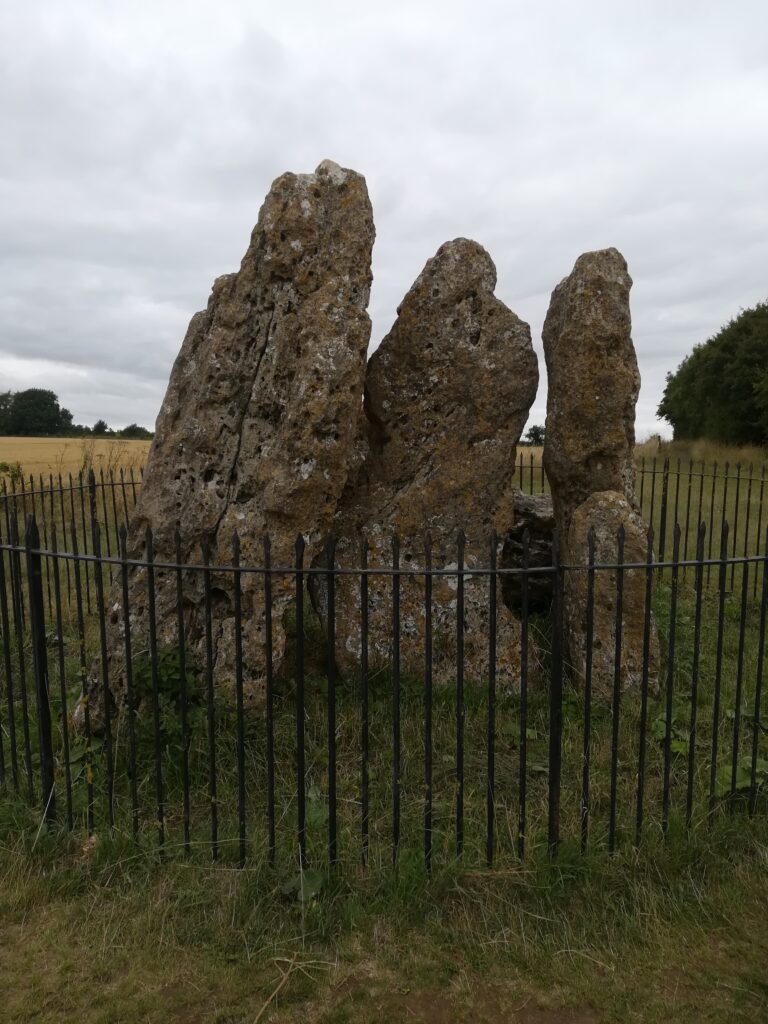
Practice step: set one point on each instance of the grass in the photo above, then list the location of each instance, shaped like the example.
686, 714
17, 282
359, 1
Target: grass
101, 930
677, 930
96, 933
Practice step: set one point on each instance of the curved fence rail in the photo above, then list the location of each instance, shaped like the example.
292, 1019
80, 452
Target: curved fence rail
382, 759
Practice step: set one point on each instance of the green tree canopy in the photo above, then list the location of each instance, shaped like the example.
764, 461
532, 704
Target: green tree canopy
720, 391
33, 413
134, 432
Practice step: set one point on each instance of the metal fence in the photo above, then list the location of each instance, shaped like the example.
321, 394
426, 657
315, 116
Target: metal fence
383, 762
688, 492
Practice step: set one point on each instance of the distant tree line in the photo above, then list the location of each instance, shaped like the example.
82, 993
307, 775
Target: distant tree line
720, 391
37, 413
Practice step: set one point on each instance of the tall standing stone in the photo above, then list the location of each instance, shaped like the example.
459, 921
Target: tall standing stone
447, 395
258, 426
593, 385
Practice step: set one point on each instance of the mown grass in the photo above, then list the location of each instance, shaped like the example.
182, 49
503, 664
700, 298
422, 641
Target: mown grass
104, 930
101, 930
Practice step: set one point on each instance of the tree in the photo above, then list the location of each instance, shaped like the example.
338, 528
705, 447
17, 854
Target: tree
6, 398
135, 433
100, 428
534, 435
720, 390
33, 413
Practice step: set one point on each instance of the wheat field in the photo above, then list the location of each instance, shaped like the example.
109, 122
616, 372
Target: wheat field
53, 455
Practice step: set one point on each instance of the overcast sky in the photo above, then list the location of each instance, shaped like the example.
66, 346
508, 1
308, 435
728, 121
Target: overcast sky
137, 142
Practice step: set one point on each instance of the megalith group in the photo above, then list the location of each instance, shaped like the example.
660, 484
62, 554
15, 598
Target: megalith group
276, 424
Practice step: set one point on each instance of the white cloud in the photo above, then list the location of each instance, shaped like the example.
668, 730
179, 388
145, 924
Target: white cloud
139, 141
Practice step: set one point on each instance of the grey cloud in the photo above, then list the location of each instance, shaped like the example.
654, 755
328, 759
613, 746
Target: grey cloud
138, 143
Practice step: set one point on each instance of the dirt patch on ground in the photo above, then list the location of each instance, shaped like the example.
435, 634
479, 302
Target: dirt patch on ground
491, 1005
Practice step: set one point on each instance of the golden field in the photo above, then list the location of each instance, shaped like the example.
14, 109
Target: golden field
46, 455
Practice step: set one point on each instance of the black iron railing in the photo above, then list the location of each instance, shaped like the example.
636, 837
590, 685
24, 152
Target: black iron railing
382, 760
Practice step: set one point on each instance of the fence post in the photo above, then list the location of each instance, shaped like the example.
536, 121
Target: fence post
663, 511
556, 702
40, 663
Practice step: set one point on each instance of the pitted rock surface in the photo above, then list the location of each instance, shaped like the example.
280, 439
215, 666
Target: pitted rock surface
593, 386
259, 424
606, 512
447, 395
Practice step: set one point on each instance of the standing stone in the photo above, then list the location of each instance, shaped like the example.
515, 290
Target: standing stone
593, 384
447, 395
605, 512
258, 426
588, 450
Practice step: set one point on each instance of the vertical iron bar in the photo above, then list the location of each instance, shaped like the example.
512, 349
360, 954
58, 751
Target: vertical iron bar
40, 664
129, 698
739, 672
460, 710
150, 563
587, 742
718, 671
428, 704
670, 681
642, 482
106, 701
331, 672
62, 675
7, 665
239, 711
301, 781
652, 509
85, 542
523, 741
84, 683
270, 699
644, 686
395, 697
678, 474
759, 681
46, 559
491, 784
18, 604
64, 536
663, 511
616, 703
749, 515
695, 673
364, 724
712, 519
735, 520
183, 689
210, 697
115, 520
126, 516
688, 509
106, 517
555, 703
759, 524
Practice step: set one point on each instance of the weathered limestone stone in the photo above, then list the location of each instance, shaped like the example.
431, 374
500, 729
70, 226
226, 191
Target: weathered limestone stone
447, 394
605, 512
590, 434
259, 423
593, 384
532, 513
